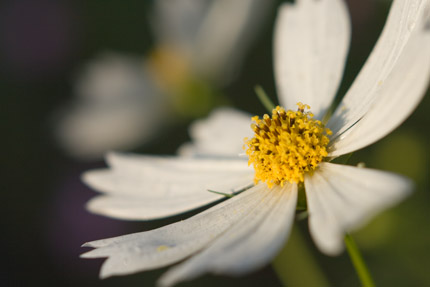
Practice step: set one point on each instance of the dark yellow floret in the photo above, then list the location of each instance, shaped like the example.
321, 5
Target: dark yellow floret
286, 145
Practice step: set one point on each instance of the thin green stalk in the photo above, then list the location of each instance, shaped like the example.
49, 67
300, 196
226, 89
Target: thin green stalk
221, 193
264, 99
358, 262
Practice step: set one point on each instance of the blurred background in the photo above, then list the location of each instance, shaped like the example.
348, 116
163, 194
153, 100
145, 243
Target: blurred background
79, 78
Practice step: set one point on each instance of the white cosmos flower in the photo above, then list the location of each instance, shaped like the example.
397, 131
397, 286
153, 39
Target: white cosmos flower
245, 232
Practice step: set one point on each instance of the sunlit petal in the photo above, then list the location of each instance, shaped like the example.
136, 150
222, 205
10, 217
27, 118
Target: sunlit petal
342, 198
166, 245
221, 134
149, 187
397, 96
402, 21
311, 43
250, 244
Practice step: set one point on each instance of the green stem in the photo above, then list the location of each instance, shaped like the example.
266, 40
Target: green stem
221, 193
264, 99
358, 262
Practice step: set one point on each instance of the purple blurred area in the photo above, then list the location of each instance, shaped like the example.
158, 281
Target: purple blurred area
68, 224
38, 37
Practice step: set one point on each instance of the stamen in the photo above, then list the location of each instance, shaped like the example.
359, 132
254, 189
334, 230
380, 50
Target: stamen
286, 145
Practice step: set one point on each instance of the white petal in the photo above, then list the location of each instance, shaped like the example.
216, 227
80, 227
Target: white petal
341, 198
221, 134
149, 187
250, 244
311, 44
397, 97
402, 19
160, 247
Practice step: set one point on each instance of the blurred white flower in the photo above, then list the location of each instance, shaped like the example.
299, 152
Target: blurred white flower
118, 107
213, 34
245, 232
121, 98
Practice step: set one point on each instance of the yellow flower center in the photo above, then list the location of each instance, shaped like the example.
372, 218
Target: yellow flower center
170, 68
286, 145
